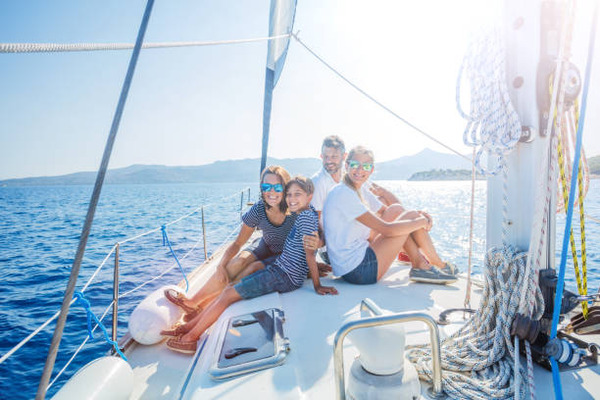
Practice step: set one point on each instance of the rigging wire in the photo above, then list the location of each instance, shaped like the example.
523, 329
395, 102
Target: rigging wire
62, 319
368, 96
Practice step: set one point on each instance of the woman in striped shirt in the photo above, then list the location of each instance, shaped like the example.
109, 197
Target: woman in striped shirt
271, 216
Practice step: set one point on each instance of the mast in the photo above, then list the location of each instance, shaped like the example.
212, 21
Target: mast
531, 41
281, 22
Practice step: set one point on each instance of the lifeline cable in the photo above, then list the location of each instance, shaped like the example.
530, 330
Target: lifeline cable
60, 324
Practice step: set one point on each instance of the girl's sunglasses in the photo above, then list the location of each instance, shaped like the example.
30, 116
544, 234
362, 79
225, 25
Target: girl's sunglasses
365, 166
266, 187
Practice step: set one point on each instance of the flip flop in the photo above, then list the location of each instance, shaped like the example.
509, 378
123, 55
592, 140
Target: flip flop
178, 299
182, 346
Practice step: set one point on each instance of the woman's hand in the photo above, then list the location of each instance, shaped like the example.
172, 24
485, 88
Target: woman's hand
312, 242
428, 218
376, 189
322, 290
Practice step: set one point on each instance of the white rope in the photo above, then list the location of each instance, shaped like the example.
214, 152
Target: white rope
467, 302
70, 47
478, 360
368, 96
493, 125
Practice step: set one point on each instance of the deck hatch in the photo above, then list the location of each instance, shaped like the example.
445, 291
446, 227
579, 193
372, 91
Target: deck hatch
250, 342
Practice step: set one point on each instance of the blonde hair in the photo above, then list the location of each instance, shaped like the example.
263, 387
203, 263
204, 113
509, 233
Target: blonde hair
284, 178
347, 180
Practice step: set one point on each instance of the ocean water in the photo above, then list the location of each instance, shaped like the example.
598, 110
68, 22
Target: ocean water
40, 228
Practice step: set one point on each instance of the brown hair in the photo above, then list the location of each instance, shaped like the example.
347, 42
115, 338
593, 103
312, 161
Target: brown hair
335, 142
284, 178
357, 150
305, 184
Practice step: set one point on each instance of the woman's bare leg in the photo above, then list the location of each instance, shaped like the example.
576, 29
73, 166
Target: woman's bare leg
386, 250
249, 270
218, 281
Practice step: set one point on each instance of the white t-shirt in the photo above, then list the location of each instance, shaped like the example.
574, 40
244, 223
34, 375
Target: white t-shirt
346, 238
323, 183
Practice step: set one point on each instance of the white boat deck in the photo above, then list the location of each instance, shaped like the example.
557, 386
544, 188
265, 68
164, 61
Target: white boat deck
311, 324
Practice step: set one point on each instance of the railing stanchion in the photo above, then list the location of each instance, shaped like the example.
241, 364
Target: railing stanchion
248, 195
241, 203
115, 316
204, 234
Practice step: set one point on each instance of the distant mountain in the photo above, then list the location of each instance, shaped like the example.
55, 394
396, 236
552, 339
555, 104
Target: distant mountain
245, 170
444, 175
594, 164
405, 167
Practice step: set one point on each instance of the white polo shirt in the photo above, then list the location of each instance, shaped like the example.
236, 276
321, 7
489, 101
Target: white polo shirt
346, 238
323, 183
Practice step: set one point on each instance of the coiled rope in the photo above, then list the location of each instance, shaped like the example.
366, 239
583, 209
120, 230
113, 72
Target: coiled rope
493, 124
478, 359
70, 47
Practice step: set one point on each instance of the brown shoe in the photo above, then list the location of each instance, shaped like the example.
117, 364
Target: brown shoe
188, 316
178, 299
181, 346
177, 330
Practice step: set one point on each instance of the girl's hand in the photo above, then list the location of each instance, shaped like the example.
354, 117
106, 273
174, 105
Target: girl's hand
322, 290
311, 242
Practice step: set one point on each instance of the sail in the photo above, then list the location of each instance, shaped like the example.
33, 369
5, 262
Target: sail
281, 21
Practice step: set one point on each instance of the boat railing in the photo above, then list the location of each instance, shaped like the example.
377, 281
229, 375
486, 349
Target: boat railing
379, 319
114, 253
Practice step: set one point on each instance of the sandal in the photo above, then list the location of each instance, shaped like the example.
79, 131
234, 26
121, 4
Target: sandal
182, 346
177, 330
178, 299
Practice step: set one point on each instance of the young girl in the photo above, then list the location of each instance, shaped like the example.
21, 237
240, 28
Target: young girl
364, 236
270, 215
285, 274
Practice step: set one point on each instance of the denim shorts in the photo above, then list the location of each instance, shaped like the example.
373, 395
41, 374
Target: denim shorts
261, 251
366, 272
268, 280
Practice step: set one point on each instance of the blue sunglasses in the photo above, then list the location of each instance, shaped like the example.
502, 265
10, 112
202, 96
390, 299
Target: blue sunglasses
365, 166
266, 187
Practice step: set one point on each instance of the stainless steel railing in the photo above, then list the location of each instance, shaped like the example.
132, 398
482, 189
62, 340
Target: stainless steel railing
379, 320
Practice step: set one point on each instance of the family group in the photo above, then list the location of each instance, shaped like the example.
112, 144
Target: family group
358, 226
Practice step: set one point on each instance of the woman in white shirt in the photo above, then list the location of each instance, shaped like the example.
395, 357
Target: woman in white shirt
364, 236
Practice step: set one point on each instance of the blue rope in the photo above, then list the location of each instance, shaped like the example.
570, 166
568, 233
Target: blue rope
565, 246
166, 242
80, 297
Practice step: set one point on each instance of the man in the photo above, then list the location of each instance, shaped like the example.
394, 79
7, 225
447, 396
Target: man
333, 155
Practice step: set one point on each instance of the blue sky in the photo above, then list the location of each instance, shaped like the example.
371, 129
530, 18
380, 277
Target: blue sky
191, 106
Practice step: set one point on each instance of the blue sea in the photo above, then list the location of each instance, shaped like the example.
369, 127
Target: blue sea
40, 229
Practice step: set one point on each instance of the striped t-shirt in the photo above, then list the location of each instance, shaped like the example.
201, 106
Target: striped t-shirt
273, 235
293, 258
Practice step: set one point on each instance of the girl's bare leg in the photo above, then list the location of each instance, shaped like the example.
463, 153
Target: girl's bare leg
386, 250
207, 317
